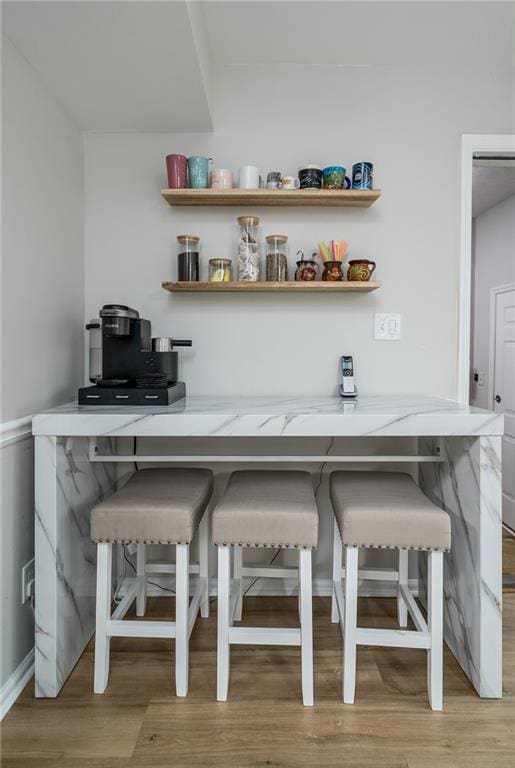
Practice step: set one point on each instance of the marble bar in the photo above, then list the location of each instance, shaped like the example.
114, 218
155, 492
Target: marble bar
467, 483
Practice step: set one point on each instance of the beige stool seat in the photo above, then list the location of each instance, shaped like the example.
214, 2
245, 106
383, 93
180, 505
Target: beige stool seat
387, 510
156, 506
262, 508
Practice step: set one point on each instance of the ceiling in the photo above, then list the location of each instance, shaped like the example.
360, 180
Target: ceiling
129, 66
147, 65
491, 185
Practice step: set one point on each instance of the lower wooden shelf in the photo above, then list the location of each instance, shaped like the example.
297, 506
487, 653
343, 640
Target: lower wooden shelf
315, 286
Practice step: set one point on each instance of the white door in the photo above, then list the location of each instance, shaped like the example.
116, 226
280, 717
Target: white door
503, 394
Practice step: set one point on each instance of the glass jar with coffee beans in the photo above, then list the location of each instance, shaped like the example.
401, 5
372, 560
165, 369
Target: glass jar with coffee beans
248, 249
277, 258
188, 258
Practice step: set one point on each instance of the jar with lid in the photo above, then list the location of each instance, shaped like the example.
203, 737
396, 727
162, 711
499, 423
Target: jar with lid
220, 270
188, 258
248, 248
277, 258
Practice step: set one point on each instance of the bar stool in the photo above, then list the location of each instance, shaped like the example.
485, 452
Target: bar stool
156, 506
264, 509
387, 510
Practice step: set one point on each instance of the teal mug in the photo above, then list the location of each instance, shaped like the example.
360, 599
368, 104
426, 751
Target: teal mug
198, 171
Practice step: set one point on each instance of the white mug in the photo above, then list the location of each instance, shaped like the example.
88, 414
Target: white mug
249, 177
290, 182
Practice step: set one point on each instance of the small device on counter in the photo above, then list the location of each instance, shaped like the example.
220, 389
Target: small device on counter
348, 387
127, 365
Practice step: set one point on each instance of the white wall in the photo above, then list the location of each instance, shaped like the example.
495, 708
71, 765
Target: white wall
42, 307
494, 257
407, 122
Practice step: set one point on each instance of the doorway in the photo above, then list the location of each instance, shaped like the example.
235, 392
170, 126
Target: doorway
492, 303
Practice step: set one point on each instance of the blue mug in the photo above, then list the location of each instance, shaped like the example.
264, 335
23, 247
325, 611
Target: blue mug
198, 171
362, 176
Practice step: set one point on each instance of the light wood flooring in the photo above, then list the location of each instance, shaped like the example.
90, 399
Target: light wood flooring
139, 723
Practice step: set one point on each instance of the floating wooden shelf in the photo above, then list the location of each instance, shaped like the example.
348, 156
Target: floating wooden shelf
317, 286
362, 198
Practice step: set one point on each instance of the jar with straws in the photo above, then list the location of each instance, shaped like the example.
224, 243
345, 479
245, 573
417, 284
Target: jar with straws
332, 255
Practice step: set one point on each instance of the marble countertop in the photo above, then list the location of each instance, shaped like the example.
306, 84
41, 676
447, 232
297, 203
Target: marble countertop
389, 415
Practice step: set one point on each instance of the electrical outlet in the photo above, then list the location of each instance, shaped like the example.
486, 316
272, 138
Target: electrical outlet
28, 575
387, 326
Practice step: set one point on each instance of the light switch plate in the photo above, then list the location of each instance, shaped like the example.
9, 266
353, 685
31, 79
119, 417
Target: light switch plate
387, 326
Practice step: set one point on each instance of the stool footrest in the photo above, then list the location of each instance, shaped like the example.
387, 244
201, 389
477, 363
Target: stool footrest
140, 628
269, 572
395, 638
264, 636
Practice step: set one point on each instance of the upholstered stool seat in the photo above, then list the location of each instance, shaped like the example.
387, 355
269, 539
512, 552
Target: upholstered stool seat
156, 506
267, 509
387, 510
264, 509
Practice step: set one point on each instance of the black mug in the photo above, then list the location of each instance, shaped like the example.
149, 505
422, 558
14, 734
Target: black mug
310, 177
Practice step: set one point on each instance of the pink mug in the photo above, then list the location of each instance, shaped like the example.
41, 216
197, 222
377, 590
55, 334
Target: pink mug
221, 178
177, 169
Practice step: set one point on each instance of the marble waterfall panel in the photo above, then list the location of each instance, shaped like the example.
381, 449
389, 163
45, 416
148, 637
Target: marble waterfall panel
67, 485
468, 485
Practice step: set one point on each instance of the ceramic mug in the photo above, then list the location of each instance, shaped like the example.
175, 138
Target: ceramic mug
306, 270
177, 170
332, 271
221, 178
273, 180
360, 269
310, 177
362, 176
335, 178
290, 182
198, 171
249, 177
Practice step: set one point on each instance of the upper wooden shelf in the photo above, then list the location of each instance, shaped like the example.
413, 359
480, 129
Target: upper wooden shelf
361, 198
315, 286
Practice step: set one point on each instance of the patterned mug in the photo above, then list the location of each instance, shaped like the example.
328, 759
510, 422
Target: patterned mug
360, 269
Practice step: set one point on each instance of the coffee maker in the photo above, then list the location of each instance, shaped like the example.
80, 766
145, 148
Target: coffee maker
127, 366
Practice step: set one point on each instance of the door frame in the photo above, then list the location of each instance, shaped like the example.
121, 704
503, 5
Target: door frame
470, 144
494, 293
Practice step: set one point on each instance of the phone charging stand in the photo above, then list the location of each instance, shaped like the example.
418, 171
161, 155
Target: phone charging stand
348, 395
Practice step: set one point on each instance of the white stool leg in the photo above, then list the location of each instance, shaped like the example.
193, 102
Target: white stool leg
402, 608
103, 614
141, 595
337, 569
182, 603
237, 566
306, 627
224, 585
349, 633
435, 626
203, 549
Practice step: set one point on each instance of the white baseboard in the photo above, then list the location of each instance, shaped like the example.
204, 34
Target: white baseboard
272, 587
16, 683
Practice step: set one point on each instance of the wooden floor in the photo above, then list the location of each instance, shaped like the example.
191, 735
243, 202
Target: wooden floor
139, 723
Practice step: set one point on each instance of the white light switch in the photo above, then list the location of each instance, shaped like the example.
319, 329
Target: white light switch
387, 326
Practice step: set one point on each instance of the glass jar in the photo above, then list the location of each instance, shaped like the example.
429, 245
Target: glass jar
220, 270
188, 258
248, 249
277, 258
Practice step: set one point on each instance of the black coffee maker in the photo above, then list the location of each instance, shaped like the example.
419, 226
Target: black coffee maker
133, 372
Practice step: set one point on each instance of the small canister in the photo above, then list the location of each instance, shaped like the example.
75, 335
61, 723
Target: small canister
188, 258
277, 258
220, 270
